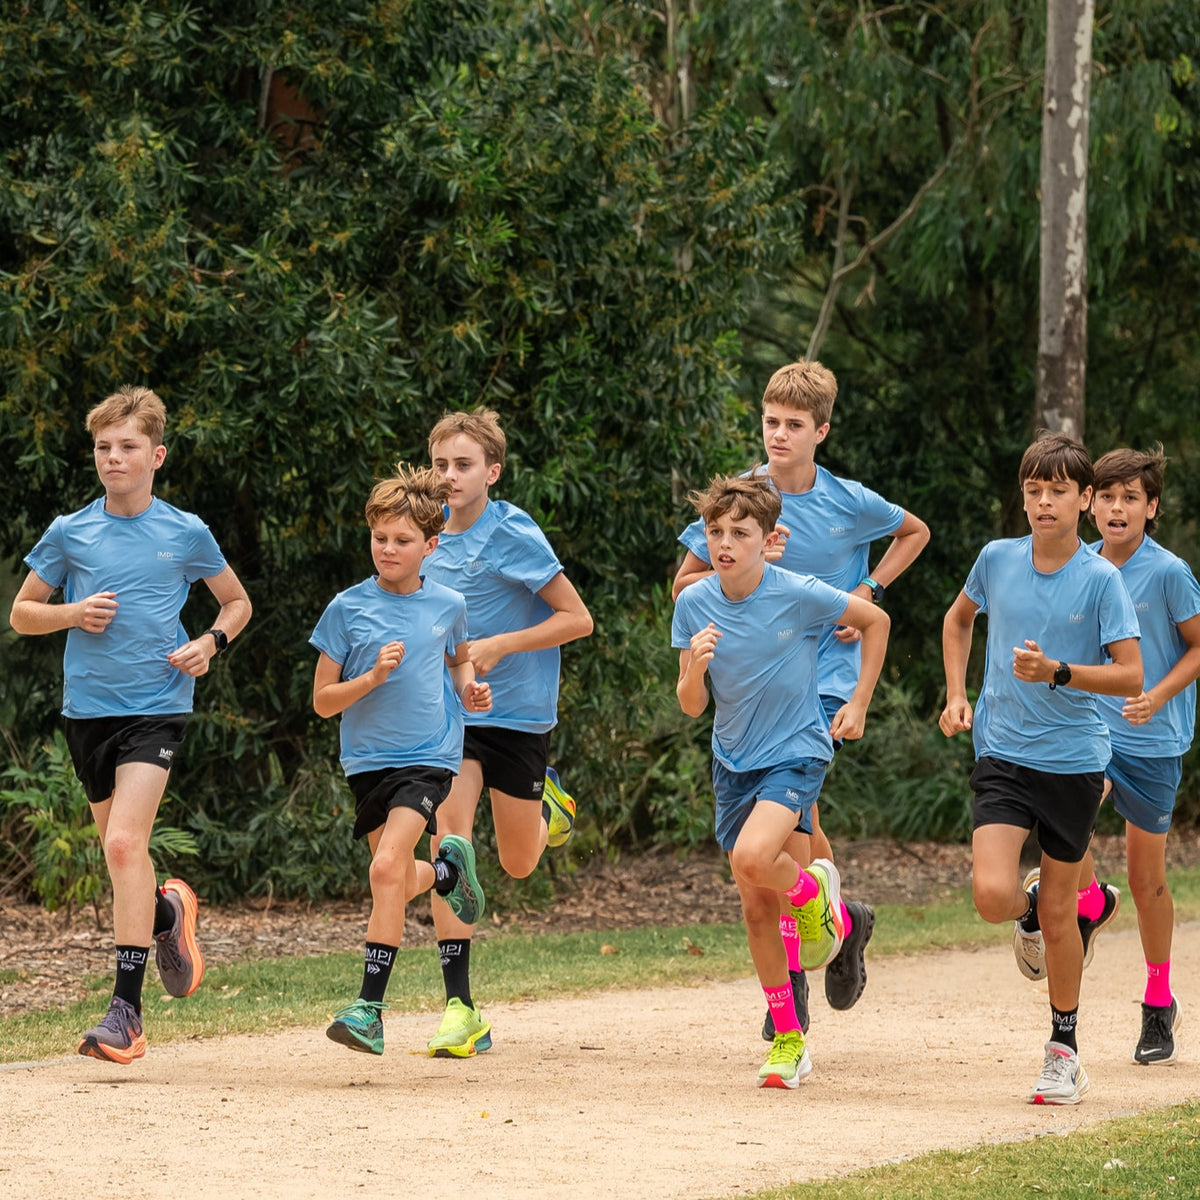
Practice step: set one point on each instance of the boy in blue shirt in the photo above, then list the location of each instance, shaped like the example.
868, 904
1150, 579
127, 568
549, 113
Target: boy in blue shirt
125, 565
521, 608
1150, 732
394, 664
1061, 629
826, 530
751, 629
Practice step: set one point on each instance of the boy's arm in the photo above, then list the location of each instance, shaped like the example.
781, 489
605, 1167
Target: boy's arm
569, 620
1121, 677
1139, 709
192, 658
332, 694
907, 542
691, 689
475, 696
692, 568
957, 627
873, 624
32, 612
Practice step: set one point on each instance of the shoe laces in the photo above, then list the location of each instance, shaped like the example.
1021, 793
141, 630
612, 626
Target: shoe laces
167, 951
786, 1048
1057, 1068
120, 1018
1157, 1025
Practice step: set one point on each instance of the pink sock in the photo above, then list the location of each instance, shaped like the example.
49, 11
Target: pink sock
791, 940
1091, 901
1158, 984
783, 1008
849, 923
803, 890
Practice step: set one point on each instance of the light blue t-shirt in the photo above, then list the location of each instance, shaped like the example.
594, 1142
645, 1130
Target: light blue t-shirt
499, 565
763, 675
1164, 593
414, 718
1073, 614
150, 561
832, 526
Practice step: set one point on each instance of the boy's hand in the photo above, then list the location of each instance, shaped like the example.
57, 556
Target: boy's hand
847, 634
849, 721
97, 611
485, 654
1138, 710
956, 717
704, 645
192, 658
775, 549
477, 697
386, 661
1030, 665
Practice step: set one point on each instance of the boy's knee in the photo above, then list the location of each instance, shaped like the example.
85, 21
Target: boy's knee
992, 903
123, 850
518, 864
386, 871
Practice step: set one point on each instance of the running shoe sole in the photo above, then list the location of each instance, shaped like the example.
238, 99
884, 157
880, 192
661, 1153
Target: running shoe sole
466, 899
846, 975
562, 806
803, 1071
187, 932
341, 1033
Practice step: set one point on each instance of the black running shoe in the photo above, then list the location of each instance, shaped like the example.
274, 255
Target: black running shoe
799, 999
846, 976
1089, 929
1157, 1043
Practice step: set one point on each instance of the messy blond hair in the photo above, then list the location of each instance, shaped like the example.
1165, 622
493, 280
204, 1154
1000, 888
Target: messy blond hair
805, 385
129, 403
418, 493
481, 425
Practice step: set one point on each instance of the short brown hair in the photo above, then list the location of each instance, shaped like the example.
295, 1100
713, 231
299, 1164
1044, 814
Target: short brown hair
1123, 466
805, 385
481, 425
742, 497
418, 493
1056, 456
129, 403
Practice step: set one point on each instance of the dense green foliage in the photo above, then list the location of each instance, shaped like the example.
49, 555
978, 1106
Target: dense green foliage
313, 228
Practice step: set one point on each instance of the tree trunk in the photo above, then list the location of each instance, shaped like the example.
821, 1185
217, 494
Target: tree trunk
1062, 332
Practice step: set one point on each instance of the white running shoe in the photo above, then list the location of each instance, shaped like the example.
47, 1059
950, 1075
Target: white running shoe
1029, 949
1063, 1079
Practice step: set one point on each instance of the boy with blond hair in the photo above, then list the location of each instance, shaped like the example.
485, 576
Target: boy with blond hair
750, 630
826, 530
521, 608
393, 662
1061, 631
125, 565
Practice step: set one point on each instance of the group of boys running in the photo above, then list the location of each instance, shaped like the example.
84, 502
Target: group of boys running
444, 668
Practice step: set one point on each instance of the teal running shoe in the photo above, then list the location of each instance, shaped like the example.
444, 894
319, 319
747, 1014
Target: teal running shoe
466, 897
359, 1026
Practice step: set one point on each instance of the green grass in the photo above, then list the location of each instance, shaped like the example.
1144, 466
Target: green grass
1149, 1156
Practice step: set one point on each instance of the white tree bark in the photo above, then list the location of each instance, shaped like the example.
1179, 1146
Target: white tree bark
1062, 329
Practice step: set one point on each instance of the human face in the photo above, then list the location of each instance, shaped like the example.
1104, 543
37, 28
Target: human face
1121, 511
1053, 507
398, 548
790, 437
736, 549
126, 460
460, 461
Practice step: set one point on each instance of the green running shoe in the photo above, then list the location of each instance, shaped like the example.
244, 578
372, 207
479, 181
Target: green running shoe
787, 1062
466, 897
561, 821
359, 1026
819, 921
462, 1032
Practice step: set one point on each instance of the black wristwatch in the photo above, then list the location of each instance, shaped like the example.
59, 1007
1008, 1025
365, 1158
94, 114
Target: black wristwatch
218, 636
1062, 676
877, 589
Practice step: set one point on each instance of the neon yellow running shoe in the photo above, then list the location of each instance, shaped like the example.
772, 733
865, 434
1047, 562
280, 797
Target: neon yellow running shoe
819, 921
461, 1034
561, 820
787, 1062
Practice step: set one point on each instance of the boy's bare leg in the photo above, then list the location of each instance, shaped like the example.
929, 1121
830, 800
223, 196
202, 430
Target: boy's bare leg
396, 876
1146, 866
820, 843
995, 873
1058, 917
521, 833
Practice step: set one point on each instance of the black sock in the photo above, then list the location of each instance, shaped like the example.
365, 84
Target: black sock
1029, 922
1062, 1027
164, 912
445, 875
377, 970
131, 973
456, 969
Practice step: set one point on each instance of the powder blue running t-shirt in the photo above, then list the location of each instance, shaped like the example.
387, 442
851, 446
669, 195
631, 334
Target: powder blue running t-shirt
1073, 614
1164, 593
832, 526
414, 718
499, 565
150, 561
763, 675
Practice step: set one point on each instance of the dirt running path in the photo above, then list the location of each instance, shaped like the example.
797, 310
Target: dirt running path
615, 1095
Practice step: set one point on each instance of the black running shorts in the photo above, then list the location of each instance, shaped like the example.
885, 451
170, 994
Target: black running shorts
513, 761
99, 745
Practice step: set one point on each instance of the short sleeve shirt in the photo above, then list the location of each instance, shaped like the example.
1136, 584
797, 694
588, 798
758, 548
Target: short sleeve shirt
763, 676
832, 526
1164, 594
1073, 613
414, 718
499, 565
150, 561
